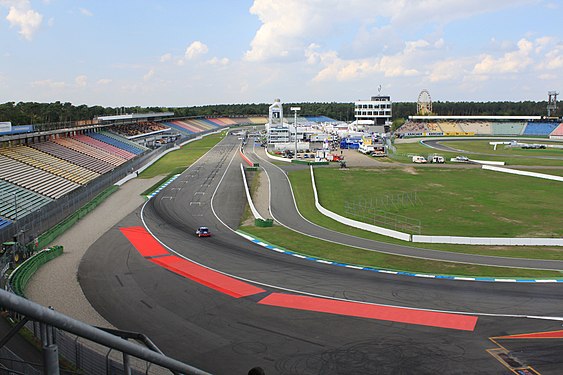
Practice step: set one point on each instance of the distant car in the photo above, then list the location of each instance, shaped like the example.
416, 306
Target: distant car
461, 158
203, 232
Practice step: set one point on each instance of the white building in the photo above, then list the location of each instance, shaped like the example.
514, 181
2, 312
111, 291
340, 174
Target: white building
277, 131
373, 115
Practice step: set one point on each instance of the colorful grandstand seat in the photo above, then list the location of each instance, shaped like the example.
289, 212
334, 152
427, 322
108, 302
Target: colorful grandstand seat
114, 142
540, 128
558, 131
4, 222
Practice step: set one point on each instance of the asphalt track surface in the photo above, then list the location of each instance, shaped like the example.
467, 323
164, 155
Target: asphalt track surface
222, 334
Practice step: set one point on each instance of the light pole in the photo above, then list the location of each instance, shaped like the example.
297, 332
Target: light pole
295, 109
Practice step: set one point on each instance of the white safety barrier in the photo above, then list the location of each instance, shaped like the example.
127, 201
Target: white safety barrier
248, 197
493, 241
487, 162
524, 173
354, 223
276, 157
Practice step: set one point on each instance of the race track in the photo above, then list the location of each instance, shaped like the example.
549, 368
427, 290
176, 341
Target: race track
194, 320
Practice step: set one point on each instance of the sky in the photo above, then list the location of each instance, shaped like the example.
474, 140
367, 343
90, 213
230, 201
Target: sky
178, 53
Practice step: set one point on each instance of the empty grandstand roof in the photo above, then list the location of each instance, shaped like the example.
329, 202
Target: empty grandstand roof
135, 116
489, 118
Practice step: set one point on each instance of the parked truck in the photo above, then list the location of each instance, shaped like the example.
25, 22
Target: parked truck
419, 159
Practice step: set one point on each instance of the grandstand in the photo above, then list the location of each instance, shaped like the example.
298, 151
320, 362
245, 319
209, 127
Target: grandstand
44, 163
557, 133
508, 128
73, 156
476, 126
319, 119
540, 128
16, 202
35, 179
49, 163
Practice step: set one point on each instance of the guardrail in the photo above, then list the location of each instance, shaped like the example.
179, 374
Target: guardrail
50, 319
286, 160
524, 173
20, 276
259, 221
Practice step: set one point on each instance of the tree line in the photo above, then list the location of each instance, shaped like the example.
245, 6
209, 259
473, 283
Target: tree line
27, 113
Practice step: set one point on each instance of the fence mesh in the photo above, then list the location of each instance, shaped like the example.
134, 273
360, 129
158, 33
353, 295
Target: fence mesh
378, 211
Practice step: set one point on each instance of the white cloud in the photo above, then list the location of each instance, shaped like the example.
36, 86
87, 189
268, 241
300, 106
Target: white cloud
81, 81
166, 57
217, 61
21, 15
149, 75
553, 59
402, 64
510, 62
104, 81
49, 83
290, 26
86, 12
195, 50
446, 70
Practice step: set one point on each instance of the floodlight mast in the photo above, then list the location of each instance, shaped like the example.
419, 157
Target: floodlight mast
295, 109
551, 102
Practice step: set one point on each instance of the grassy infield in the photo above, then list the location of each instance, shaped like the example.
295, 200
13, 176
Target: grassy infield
177, 161
484, 204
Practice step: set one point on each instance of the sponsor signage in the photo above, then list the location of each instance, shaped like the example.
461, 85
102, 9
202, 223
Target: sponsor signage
458, 133
5, 127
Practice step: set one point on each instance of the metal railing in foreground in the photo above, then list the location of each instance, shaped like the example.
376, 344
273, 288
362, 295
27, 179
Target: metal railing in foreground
49, 319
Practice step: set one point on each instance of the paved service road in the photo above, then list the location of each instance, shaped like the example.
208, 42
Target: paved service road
194, 322
288, 215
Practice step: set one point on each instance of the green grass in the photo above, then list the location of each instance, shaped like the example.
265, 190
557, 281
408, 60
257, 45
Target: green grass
177, 161
484, 147
403, 149
290, 240
455, 202
301, 183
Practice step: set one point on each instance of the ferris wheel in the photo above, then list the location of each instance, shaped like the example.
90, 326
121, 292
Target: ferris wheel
424, 103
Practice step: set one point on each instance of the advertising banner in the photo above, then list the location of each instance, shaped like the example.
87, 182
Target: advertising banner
5, 127
459, 133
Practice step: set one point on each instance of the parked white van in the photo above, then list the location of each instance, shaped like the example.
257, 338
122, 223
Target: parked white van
419, 159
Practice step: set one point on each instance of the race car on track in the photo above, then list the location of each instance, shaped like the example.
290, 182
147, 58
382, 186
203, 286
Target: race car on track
203, 232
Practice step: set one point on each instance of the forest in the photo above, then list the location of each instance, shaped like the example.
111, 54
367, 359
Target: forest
27, 113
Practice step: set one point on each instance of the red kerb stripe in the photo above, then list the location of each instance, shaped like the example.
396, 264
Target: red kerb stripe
146, 244
361, 310
205, 276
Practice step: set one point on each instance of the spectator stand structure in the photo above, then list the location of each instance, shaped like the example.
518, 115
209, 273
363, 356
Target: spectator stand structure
421, 126
50, 170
